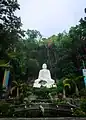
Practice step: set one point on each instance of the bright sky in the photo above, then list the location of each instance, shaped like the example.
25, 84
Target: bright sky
51, 16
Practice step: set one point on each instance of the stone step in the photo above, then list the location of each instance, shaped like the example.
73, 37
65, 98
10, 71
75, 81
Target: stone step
58, 118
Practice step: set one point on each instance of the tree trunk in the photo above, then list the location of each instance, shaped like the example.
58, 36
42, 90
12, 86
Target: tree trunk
17, 92
77, 91
64, 95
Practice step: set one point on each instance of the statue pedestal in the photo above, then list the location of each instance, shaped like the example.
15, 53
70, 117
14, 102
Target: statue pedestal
38, 83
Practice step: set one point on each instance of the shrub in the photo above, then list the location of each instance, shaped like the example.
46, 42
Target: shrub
83, 105
79, 113
4, 109
83, 92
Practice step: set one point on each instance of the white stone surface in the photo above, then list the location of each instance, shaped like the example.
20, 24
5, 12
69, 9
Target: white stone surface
44, 75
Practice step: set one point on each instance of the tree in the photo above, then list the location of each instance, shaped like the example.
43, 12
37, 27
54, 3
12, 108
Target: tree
17, 86
72, 85
33, 34
10, 30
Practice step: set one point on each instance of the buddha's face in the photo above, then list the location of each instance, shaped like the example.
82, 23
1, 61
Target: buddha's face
44, 66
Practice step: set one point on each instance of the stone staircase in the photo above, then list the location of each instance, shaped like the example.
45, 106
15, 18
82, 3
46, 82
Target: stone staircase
43, 109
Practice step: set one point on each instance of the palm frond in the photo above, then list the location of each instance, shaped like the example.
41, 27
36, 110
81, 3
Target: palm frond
67, 85
4, 63
12, 54
15, 82
13, 88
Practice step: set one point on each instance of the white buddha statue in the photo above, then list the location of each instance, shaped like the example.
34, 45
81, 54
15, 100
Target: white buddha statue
44, 78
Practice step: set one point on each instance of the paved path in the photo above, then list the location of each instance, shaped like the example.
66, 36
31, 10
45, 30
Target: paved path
59, 118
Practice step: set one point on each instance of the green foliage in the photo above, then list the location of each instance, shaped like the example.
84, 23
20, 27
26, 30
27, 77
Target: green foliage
61, 102
10, 26
83, 92
79, 113
5, 110
60, 86
10, 33
33, 34
64, 53
43, 92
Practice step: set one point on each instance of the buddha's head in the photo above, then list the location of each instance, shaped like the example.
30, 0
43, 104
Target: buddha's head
44, 66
